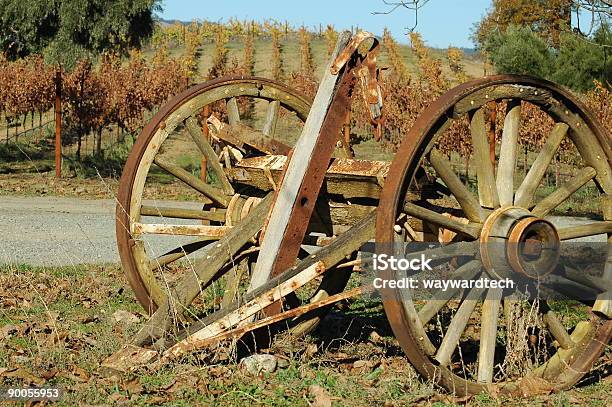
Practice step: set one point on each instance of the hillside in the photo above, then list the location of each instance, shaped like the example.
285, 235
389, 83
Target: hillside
291, 57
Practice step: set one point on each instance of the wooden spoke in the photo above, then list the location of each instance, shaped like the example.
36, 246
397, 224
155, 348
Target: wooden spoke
157, 295
590, 229
558, 331
466, 272
488, 335
233, 113
598, 283
232, 282
211, 192
564, 192
207, 151
507, 157
269, 127
180, 230
526, 192
181, 213
487, 189
470, 230
457, 326
468, 202
179, 253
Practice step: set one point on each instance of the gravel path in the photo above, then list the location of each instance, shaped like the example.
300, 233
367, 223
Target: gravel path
67, 231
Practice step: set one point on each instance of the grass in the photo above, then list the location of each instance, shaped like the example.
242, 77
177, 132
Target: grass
64, 327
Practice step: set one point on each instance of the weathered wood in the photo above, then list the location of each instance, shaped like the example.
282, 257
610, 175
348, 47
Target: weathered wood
466, 200
297, 170
211, 192
345, 177
558, 331
470, 230
488, 335
207, 151
271, 120
590, 229
204, 270
240, 331
526, 191
491, 93
146, 274
182, 213
431, 308
232, 282
487, 189
233, 113
508, 153
179, 230
555, 199
457, 326
241, 135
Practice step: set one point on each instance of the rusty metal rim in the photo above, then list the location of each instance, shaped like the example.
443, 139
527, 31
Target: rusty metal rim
403, 168
124, 241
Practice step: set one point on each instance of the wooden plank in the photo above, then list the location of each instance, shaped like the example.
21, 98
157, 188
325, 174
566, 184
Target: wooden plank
487, 189
233, 113
466, 200
180, 230
239, 135
555, 199
508, 153
296, 172
209, 191
470, 230
488, 335
590, 229
182, 213
457, 326
526, 191
207, 151
271, 120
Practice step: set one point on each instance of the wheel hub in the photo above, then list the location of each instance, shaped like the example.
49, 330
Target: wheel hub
513, 240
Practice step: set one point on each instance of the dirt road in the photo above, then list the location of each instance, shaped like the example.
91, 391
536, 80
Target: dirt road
50, 231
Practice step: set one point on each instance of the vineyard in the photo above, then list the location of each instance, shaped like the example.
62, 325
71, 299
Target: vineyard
108, 99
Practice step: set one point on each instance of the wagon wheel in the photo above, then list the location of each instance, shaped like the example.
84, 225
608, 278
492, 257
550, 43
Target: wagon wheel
190, 229
442, 336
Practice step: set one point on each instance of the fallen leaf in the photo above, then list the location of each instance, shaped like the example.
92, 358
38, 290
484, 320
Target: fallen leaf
7, 330
23, 374
80, 374
321, 397
311, 350
133, 386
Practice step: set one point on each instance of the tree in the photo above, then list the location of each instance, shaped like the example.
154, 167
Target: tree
547, 18
67, 30
519, 50
580, 61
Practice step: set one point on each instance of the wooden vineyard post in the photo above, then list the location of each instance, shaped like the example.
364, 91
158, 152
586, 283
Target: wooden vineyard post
58, 124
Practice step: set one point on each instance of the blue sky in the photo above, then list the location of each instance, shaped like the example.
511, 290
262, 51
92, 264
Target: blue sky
441, 22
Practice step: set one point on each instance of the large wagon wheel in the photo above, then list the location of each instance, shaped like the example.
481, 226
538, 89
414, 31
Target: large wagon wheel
453, 339
215, 206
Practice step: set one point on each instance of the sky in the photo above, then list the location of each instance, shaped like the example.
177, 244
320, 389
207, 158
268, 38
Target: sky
441, 22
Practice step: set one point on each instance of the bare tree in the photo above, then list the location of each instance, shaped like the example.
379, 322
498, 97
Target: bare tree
412, 5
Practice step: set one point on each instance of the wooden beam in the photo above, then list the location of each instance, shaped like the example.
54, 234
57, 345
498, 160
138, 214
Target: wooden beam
590, 229
182, 213
180, 230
